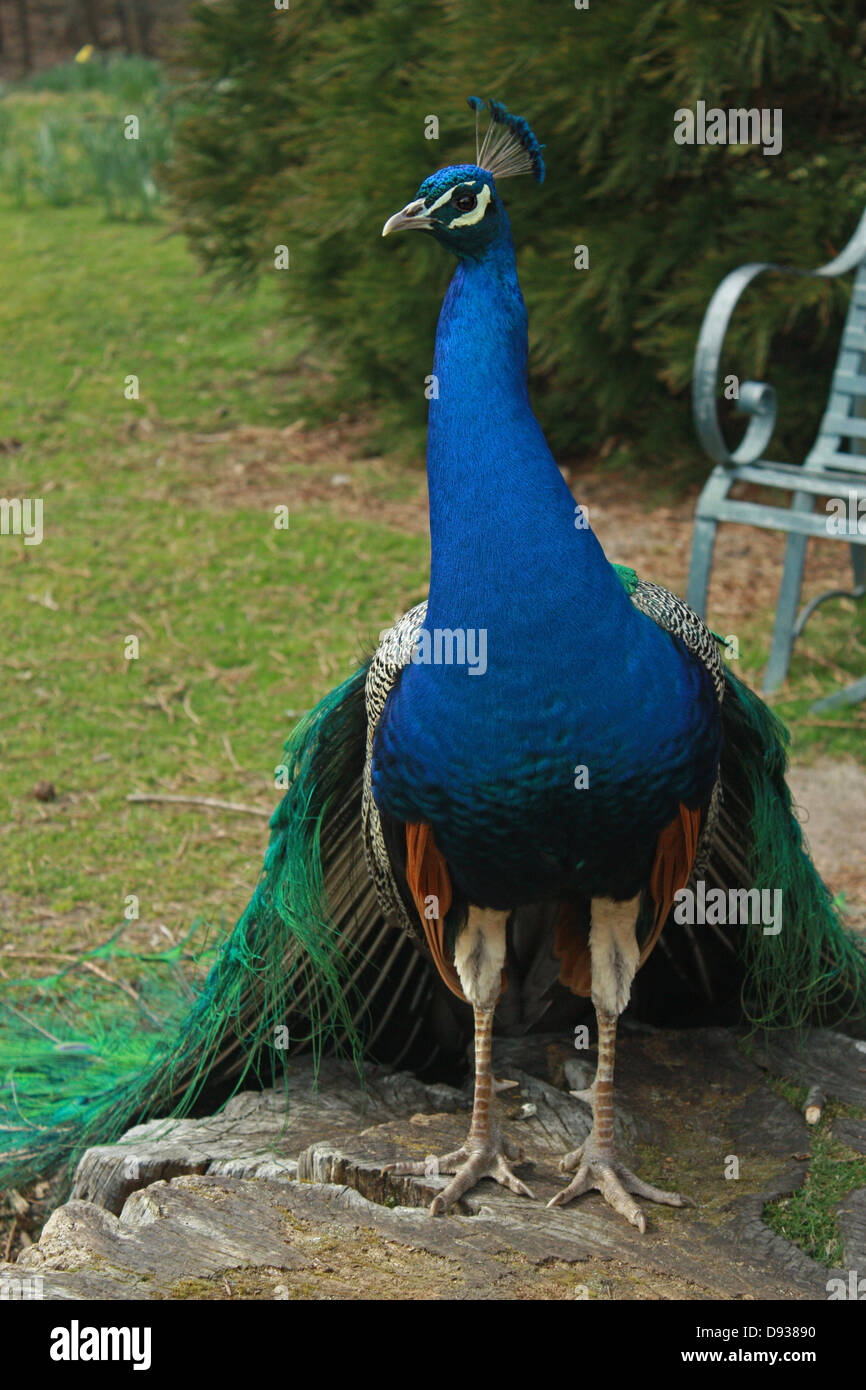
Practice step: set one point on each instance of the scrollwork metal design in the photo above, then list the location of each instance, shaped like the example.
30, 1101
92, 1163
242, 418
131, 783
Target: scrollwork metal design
756, 398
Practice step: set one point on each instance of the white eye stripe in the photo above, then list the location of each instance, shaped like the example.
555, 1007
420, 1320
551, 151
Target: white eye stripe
469, 218
446, 198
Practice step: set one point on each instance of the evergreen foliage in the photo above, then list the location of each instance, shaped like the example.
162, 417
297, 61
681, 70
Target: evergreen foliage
307, 129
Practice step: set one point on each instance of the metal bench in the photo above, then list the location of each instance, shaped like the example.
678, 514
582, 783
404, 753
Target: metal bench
834, 468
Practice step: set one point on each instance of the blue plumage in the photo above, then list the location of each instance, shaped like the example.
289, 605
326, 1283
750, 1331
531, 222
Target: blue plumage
578, 769
575, 675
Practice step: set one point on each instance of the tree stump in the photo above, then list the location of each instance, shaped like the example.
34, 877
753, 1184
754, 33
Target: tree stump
268, 1201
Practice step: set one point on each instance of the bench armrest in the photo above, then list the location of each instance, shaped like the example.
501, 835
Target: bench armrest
756, 398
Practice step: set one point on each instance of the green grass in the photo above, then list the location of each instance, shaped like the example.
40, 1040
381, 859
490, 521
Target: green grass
127, 77
241, 626
830, 655
91, 303
808, 1216
65, 136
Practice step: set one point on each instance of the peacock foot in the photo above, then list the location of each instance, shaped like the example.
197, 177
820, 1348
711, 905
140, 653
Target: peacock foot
474, 1160
603, 1172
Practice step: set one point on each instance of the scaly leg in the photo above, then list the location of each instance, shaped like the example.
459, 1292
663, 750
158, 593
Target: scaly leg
479, 957
614, 953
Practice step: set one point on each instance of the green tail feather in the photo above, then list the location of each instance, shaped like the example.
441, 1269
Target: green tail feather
813, 971
280, 967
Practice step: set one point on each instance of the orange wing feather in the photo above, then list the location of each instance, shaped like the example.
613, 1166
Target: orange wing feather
427, 876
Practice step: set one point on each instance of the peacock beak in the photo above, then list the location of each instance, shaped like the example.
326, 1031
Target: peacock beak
412, 215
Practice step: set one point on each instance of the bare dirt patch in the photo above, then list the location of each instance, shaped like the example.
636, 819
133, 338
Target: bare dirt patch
259, 467
831, 804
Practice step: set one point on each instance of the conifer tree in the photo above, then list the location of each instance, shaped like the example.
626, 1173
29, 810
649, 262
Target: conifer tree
309, 126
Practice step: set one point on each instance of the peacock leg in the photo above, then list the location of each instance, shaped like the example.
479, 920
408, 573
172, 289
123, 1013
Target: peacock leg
614, 954
479, 957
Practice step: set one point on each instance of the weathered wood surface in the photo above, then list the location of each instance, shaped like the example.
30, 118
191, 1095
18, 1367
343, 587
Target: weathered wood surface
255, 1202
835, 1063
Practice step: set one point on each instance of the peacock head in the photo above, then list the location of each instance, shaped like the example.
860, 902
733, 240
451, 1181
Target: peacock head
459, 205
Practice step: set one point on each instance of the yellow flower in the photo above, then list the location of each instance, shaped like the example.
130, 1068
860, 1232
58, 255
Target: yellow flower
84, 53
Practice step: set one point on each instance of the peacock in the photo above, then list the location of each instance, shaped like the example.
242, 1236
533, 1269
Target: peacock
496, 822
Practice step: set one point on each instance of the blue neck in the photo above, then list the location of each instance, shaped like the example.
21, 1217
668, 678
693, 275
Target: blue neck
501, 516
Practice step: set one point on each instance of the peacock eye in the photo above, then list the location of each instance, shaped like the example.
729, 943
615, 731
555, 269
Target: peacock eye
466, 202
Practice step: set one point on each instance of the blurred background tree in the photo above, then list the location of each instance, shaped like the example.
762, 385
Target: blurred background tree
306, 127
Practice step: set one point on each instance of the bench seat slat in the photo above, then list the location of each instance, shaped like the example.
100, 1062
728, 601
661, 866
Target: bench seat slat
799, 478
853, 340
855, 463
849, 383
849, 426
779, 519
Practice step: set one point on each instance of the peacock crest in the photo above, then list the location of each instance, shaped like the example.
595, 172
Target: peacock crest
509, 146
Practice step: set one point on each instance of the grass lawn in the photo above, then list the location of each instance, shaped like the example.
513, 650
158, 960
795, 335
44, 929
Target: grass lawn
241, 626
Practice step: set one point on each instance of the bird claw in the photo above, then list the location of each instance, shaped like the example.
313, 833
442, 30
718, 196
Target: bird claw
468, 1167
615, 1182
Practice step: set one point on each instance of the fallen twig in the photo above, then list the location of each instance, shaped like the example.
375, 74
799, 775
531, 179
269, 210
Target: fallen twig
230, 753
188, 709
211, 802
